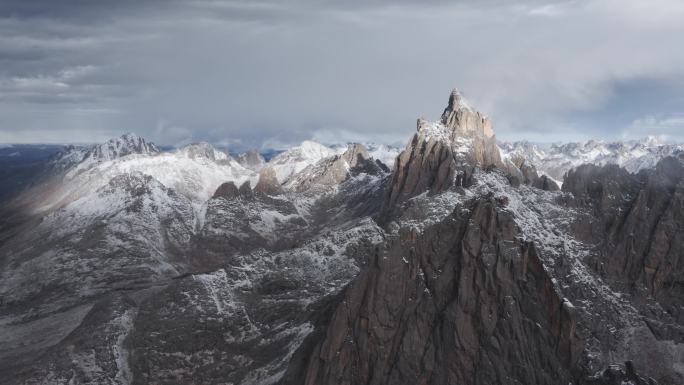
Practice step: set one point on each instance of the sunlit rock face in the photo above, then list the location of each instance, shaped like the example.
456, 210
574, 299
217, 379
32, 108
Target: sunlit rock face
444, 152
460, 117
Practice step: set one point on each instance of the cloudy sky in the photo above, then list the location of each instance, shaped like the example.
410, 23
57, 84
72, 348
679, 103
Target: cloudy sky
267, 74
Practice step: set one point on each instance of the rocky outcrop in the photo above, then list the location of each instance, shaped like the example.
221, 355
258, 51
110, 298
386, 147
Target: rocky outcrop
227, 190
127, 144
619, 375
640, 227
520, 171
252, 160
459, 117
464, 302
268, 183
334, 170
441, 154
203, 150
245, 191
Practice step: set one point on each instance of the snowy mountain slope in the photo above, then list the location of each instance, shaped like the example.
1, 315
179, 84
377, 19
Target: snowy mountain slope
194, 171
384, 153
555, 160
78, 158
260, 306
170, 268
132, 237
295, 159
332, 171
127, 232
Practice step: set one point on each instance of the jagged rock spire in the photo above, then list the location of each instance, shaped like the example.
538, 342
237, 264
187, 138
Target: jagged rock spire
444, 153
463, 119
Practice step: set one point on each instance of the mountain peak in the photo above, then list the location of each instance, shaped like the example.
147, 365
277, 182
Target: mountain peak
355, 154
457, 101
252, 160
126, 144
462, 119
202, 150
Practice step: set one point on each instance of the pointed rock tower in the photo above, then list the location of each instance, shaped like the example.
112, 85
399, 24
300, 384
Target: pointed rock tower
445, 152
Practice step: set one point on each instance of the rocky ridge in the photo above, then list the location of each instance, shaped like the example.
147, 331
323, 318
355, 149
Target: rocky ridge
554, 160
484, 279
459, 266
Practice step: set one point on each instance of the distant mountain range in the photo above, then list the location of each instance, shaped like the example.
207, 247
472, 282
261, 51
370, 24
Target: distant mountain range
456, 259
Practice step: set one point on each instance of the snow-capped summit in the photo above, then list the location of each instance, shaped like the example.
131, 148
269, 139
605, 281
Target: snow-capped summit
124, 145
202, 150
333, 170
81, 158
557, 159
652, 141
457, 101
466, 132
194, 171
252, 160
297, 158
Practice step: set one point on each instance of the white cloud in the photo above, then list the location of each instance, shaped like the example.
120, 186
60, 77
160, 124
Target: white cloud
668, 128
270, 72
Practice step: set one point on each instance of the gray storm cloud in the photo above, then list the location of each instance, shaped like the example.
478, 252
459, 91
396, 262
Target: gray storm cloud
248, 74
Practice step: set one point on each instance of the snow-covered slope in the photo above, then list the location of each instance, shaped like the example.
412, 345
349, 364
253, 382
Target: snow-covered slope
556, 159
384, 153
297, 158
83, 158
194, 171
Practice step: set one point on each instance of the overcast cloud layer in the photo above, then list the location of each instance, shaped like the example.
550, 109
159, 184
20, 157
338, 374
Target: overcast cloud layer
258, 73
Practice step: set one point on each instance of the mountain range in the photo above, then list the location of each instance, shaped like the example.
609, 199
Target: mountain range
455, 260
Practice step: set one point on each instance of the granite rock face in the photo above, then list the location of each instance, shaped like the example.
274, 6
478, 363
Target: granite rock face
227, 190
640, 229
463, 302
463, 120
442, 152
490, 274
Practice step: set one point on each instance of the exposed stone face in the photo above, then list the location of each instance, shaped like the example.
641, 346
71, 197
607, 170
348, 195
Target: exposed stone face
125, 145
546, 183
442, 154
245, 191
462, 119
336, 169
465, 302
640, 227
227, 190
203, 150
268, 183
619, 375
355, 155
421, 167
521, 172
